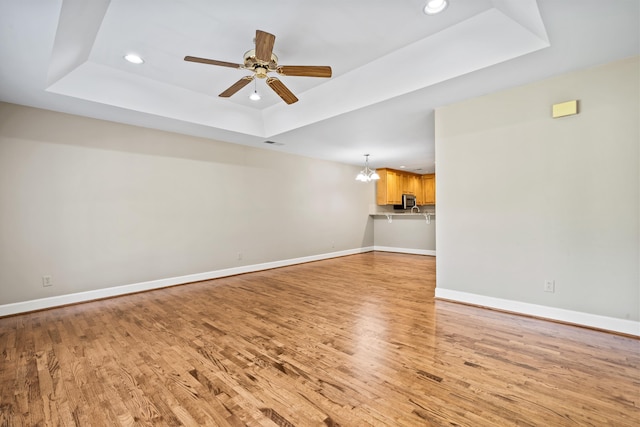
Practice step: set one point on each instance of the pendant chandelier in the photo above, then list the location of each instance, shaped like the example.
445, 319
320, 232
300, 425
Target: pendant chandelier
367, 174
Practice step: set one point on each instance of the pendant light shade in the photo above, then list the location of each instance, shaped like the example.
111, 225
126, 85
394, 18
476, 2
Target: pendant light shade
367, 174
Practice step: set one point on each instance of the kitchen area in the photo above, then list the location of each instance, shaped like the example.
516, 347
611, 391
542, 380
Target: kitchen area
404, 213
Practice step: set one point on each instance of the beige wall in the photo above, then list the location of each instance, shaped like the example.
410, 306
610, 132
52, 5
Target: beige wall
523, 198
97, 204
406, 233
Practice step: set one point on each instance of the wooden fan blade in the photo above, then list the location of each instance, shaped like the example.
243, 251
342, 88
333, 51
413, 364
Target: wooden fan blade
212, 62
282, 91
304, 70
236, 86
264, 45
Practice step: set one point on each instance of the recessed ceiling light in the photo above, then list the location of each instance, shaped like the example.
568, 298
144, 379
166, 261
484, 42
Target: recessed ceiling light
435, 6
133, 58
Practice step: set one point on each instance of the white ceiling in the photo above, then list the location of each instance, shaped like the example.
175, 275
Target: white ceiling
392, 64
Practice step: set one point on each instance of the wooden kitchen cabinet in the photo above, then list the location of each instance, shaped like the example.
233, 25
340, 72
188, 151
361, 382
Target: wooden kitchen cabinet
428, 189
411, 184
389, 187
394, 183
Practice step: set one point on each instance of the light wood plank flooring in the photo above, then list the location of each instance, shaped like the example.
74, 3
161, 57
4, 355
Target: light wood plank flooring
352, 341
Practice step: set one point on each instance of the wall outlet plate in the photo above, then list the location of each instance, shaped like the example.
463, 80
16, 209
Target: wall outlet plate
549, 286
47, 281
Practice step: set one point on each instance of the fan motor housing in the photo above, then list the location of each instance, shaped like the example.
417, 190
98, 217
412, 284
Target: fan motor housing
261, 68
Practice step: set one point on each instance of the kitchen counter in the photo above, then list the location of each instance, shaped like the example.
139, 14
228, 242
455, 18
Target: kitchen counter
427, 215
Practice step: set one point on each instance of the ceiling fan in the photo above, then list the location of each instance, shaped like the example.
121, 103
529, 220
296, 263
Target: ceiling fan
262, 61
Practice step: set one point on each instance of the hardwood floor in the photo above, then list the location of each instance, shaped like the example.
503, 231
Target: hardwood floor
352, 341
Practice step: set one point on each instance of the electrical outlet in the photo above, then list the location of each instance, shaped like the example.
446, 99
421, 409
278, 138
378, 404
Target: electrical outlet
549, 286
47, 281
239, 256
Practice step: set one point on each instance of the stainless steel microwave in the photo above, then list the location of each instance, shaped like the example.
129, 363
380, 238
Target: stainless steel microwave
408, 201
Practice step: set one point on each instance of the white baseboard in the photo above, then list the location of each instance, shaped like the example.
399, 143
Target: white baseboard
624, 326
405, 250
56, 301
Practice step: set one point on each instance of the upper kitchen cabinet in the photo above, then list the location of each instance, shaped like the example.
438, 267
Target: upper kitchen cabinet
393, 184
428, 193
389, 187
410, 183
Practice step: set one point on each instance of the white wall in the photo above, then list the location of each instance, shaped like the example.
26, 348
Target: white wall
523, 197
97, 205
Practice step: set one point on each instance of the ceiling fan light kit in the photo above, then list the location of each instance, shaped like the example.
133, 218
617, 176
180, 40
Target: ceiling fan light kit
262, 61
255, 96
